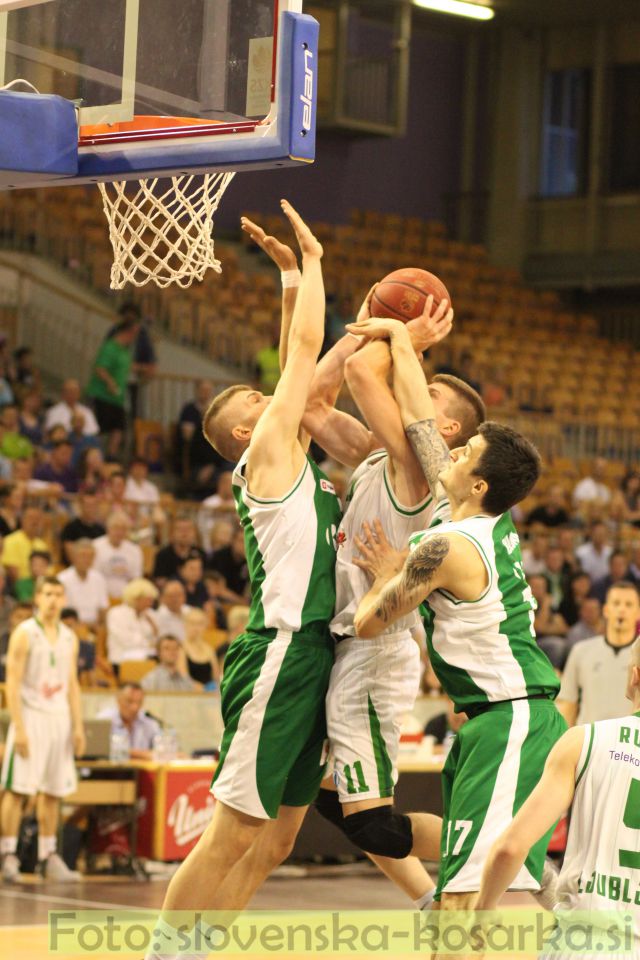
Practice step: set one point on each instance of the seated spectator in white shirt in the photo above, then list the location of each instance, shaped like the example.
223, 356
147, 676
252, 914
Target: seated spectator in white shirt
128, 717
169, 616
138, 488
117, 558
589, 624
167, 676
131, 630
86, 588
593, 556
534, 554
61, 414
591, 495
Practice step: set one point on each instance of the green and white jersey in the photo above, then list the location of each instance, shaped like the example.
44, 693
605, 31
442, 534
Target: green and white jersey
601, 870
291, 550
370, 498
485, 650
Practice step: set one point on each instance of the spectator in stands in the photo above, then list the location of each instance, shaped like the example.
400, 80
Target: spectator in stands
552, 512
86, 648
591, 495
199, 462
25, 587
200, 661
61, 413
231, 562
557, 576
30, 418
85, 525
19, 613
218, 597
579, 589
144, 365
182, 545
191, 575
7, 603
108, 385
13, 445
220, 505
594, 677
80, 441
444, 726
26, 374
634, 564
170, 615
138, 487
11, 509
625, 505
549, 626
131, 630
221, 534
268, 364
59, 469
618, 570
85, 588
117, 558
496, 391
7, 372
593, 556
566, 541
237, 620
23, 474
114, 488
589, 624
91, 470
168, 677
18, 547
129, 718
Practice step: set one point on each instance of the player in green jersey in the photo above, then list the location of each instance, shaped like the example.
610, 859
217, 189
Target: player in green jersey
478, 613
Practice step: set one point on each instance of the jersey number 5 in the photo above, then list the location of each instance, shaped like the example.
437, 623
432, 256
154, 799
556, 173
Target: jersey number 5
631, 819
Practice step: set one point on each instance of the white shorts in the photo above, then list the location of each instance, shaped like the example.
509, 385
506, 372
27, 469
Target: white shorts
50, 767
373, 684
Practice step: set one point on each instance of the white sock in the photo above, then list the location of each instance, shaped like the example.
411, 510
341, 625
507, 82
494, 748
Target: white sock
425, 901
8, 845
169, 944
46, 846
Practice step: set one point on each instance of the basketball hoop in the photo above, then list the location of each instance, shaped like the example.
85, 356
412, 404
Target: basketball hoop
162, 230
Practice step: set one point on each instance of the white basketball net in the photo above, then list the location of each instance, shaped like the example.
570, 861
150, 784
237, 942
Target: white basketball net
162, 230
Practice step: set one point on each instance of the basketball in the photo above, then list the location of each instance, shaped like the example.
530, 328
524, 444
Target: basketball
401, 295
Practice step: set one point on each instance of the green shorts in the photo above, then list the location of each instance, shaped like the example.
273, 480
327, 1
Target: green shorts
273, 706
495, 762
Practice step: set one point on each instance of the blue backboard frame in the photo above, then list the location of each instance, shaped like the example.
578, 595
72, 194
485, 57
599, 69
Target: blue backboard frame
30, 159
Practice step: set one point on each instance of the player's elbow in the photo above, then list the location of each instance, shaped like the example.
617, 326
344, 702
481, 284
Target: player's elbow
509, 849
355, 369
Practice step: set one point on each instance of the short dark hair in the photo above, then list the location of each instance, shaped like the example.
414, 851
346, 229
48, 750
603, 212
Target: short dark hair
69, 612
47, 581
131, 685
623, 585
167, 636
510, 465
42, 554
129, 309
467, 408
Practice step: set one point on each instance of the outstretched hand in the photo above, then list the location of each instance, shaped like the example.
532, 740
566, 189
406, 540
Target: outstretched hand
429, 329
282, 255
309, 246
377, 557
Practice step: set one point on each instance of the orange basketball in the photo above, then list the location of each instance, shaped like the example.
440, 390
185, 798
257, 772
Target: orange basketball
402, 294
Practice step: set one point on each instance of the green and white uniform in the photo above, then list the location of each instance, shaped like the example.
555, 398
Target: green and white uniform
374, 683
485, 656
46, 716
601, 870
277, 672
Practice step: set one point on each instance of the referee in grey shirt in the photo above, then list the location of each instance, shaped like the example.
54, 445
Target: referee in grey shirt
594, 675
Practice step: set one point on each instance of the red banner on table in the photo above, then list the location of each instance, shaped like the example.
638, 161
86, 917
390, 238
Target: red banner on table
188, 808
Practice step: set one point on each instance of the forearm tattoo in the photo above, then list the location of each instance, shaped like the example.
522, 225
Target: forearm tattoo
418, 572
430, 449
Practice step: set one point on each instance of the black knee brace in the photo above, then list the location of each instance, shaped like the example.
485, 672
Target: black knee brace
382, 831
328, 806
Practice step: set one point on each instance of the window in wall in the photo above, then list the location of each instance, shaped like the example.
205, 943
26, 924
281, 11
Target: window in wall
565, 133
624, 144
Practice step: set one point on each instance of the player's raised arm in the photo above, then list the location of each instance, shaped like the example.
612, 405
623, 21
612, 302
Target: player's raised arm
411, 390
548, 802
287, 262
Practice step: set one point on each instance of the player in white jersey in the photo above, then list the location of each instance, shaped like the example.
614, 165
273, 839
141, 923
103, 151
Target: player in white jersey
43, 695
478, 615
595, 767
